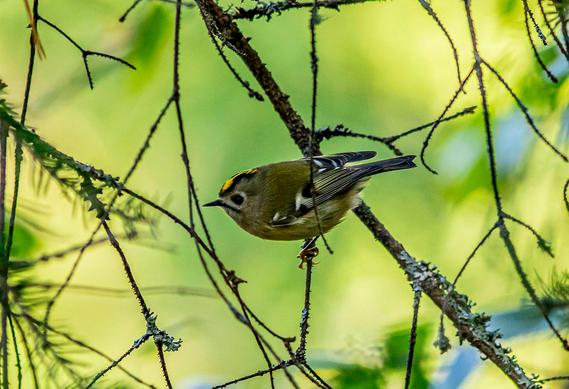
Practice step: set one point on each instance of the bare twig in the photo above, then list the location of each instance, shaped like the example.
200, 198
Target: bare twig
442, 342
89, 348
28, 350
341, 131
16, 350
525, 112
85, 54
158, 335
541, 242
552, 32
245, 84
139, 342
413, 335
259, 373
529, 14
505, 234
314, 20
556, 378
532, 44
439, 120
136, 2
427, 6
4, 259
117, 292
305, 315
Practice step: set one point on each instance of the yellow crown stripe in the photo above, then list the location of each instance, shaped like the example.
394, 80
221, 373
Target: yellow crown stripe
230, 181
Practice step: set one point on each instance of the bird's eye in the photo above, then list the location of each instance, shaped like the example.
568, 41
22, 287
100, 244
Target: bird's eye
237, 199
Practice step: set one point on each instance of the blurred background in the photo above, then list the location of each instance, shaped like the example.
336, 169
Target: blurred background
384, 67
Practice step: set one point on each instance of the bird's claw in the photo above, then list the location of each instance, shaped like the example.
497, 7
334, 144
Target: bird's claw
306, 254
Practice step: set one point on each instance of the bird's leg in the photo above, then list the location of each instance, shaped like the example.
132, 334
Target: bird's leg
308, 250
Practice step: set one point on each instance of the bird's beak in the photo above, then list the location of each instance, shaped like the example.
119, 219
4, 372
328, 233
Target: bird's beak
215, 203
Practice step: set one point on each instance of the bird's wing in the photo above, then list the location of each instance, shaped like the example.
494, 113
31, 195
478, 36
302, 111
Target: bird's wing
331, 183
327, 185
335, 161
330, 178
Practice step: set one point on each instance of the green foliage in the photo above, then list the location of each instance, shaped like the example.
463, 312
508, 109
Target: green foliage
557, 295
95, 187
149, 36
395, 359
24, 242
359, 377
372, 370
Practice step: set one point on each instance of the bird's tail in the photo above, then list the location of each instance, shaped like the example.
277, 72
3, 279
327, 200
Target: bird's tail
387, 165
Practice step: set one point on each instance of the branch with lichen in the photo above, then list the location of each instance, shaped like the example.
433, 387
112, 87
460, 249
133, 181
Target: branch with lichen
270, 9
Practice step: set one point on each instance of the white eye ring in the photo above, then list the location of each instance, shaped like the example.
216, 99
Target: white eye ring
237, 199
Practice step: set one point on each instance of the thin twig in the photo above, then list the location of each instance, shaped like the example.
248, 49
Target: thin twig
305, 315
442, 341
129, 9
29, 355
440, 119
529, 14
260, 373
126, 267
139, 342
245, 84
427, 6
534, 49
541, 242
505, 234
89, 348
85, 54
136, 2
525, 112
4, 259
163, 367
34, 39
563, 50
314, 20
341, 131
117, 292
16, 350
556, 378
413, 335
316, 379
69, 250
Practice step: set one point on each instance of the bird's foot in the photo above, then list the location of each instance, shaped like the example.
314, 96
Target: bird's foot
307, 254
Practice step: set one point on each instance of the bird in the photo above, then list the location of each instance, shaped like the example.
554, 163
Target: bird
301, 199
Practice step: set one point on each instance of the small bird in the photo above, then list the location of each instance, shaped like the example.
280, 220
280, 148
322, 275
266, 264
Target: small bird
277, 201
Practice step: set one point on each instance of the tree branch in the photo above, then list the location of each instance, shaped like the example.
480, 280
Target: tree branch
269, 9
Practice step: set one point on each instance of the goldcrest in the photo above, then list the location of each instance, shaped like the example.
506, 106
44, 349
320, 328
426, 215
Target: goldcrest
277, 201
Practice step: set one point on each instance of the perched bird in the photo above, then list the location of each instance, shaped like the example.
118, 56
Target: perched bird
277, 201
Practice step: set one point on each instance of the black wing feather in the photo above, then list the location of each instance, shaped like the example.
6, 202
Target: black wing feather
331, 183
335, 161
